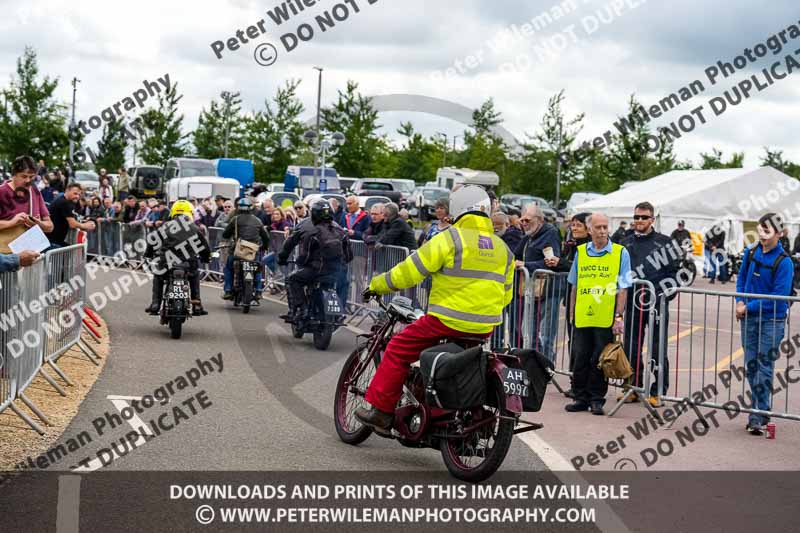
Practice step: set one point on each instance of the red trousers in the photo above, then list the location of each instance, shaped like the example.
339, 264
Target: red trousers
404, 349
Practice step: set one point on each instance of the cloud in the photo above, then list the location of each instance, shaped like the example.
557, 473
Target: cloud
651, 50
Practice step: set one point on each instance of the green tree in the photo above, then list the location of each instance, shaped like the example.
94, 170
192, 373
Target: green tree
161, 130
111, 146
275, 135
411, 158
714, 160
209, 136
354, 116
774, 159
483, 149
32, 122
637, 153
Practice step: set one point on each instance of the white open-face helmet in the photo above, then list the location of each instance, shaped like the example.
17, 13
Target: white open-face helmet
470, 199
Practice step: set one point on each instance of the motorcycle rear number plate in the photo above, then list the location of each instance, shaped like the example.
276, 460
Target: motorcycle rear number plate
250, 267
334, 307
515, 381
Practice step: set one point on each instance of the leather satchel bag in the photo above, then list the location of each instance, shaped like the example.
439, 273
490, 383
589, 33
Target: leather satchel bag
244, 250
9, 234
613, 361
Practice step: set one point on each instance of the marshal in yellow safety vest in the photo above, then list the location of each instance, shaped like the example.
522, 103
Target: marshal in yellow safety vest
597, 287
472, 273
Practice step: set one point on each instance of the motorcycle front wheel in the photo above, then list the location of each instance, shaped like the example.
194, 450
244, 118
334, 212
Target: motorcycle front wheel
350, 391
175, 326
323, 337
477, 456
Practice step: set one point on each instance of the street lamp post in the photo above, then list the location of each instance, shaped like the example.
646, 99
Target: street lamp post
324, 145
228, 98
319, 104
558, 166
72, 121
444, 153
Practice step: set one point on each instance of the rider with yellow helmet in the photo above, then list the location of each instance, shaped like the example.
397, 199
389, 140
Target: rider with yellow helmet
177, 241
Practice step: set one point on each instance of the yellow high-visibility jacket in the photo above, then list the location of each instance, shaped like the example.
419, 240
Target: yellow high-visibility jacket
472, 271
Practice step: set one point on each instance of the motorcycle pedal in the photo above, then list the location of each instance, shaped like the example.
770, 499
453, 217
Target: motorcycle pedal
385, 433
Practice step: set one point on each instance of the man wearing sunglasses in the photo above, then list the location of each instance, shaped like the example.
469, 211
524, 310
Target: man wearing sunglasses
653, 261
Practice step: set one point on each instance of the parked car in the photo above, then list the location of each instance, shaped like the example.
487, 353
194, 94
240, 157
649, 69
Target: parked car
146, 181
89, 180
275, 187
521, 201
366, 202
580, 198
311, 198
347, 183
377, 187
406, 188
424, 199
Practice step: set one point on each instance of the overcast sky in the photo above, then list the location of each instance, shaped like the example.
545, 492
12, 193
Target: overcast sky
652, 49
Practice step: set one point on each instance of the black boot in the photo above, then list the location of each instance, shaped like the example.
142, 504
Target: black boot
197, 308
158, 289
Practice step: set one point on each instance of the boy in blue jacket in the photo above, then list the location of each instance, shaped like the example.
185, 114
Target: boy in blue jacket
766, 269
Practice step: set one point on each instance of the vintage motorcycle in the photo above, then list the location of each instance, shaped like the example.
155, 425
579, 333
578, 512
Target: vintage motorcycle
320, 314
176, 303
473, 440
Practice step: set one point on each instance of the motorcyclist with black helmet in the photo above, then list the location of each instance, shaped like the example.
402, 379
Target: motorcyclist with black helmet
324, 247
174, 242
245, 226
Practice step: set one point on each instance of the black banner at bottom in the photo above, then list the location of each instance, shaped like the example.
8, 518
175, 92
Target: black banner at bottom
398, 501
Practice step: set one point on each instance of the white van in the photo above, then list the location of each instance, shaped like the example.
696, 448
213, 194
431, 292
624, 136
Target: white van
449, 177
201, 187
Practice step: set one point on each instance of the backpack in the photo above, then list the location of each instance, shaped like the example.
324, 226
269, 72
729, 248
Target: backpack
328, 240
773, 268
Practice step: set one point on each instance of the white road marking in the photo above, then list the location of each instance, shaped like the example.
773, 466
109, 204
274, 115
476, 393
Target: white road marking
273, 331
121, 402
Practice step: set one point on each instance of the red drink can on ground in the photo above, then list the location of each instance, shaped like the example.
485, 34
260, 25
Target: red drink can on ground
771, 430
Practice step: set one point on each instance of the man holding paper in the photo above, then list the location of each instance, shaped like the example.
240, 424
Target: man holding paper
21, 205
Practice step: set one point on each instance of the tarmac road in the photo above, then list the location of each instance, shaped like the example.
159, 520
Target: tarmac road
272, 403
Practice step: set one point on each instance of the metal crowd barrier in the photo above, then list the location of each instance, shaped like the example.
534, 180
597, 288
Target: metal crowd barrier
66, 286
133, 238
548, 315
215, 268
41, 313
515, 331
20, 352
716, 378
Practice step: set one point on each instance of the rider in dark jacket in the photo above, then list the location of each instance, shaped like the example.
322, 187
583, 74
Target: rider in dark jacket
324, 247
174, 242
247, 227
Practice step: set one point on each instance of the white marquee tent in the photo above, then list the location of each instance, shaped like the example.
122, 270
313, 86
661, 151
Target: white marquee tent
736, 198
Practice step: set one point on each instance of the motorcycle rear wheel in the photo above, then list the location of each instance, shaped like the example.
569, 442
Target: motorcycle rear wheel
458, 453
348, 427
